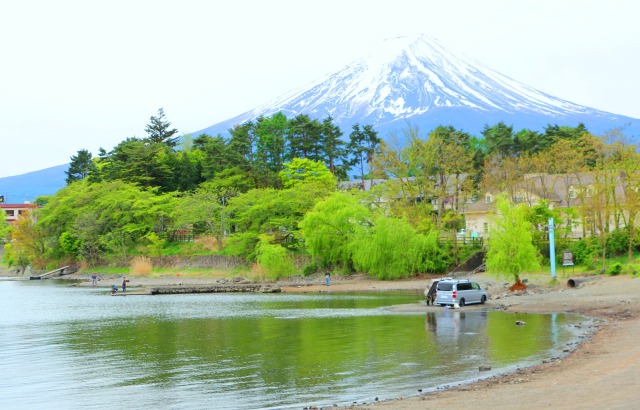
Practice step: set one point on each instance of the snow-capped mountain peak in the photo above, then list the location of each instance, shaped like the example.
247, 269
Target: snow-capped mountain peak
417, 79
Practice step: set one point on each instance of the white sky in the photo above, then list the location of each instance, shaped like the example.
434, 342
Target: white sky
88, 74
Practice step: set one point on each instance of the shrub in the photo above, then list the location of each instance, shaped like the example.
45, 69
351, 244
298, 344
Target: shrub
632, 270
585, 252
311, 268
618, 242
614, 270
274, 260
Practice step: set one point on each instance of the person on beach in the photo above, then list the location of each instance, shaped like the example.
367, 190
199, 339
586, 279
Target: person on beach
124, 284
327, 278
94, 279
114, 289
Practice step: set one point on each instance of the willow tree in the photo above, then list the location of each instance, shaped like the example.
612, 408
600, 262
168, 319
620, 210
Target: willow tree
391, 249
331, 226
274, 260
511, 250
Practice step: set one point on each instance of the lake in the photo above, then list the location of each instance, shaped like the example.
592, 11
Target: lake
67, 347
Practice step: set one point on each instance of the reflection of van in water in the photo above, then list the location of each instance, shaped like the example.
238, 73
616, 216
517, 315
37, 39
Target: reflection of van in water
453, 323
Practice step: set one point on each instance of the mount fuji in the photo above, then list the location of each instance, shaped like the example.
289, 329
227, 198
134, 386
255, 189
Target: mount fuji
417, 82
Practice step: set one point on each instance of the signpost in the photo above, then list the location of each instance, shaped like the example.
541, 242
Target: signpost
567, 259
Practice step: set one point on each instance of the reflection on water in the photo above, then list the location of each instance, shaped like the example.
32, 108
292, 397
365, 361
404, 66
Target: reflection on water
68, 347
450, 323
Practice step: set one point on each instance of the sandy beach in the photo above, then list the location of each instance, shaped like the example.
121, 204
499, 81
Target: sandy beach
602, 372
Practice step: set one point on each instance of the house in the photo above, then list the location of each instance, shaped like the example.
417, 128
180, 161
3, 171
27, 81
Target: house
598, 200
12, 211
452, 190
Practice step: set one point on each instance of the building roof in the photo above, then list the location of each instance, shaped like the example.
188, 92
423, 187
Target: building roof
18, 206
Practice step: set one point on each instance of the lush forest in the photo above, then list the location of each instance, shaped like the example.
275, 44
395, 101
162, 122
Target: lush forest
271, 192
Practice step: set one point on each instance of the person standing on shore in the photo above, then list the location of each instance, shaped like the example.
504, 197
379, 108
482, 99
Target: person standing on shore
94, 279
124, 284
327, 278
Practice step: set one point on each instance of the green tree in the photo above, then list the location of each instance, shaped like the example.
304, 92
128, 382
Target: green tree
363, 145
390, 248
186, 170
403, 159
242, 152
302, 170
158, 130
204, 210
145, 164
270, 138
214, 155
331, 226
80, 167
5, 231
511, 250
305, 138
28, 242
103, 217
334, 149
272, 212
499, 140
447, 160
273, 258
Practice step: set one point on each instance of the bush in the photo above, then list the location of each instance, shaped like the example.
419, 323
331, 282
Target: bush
274, 260
585, 252
632, 270
618, 242
311, 268
614, 270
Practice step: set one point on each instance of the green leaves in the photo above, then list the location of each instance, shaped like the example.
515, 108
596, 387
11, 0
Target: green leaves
274, 259
300, 171
158, 130
80, 167
342, 232
511, 250
392, 249
331, 226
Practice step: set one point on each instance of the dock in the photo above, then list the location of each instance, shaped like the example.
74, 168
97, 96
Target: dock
65, 270
184, 289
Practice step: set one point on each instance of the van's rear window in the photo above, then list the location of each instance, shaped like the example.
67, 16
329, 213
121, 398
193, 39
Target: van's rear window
447, 287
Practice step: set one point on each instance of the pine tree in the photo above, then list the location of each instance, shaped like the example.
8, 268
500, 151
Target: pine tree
158, 130
80, 167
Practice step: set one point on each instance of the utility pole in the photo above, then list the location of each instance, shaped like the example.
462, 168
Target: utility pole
552, 249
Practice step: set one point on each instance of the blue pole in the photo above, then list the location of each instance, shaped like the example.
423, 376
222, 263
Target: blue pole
552, 249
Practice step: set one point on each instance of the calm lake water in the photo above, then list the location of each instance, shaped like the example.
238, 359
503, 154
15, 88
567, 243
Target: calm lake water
64, 347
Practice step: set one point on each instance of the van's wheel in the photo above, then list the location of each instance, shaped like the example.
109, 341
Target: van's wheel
483, 299
461, 303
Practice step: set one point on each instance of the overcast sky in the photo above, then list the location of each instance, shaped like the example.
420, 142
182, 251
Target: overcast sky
88, 74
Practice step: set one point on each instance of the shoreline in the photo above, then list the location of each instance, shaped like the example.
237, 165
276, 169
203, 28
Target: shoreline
609, 357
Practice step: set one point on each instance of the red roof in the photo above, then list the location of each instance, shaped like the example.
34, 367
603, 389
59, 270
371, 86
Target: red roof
19, 206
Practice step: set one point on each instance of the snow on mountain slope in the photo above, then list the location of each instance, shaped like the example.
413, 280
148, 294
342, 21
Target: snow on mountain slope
417, 80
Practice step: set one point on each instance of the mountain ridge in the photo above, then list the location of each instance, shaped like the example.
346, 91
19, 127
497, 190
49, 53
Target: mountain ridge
18, 189
415, 79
